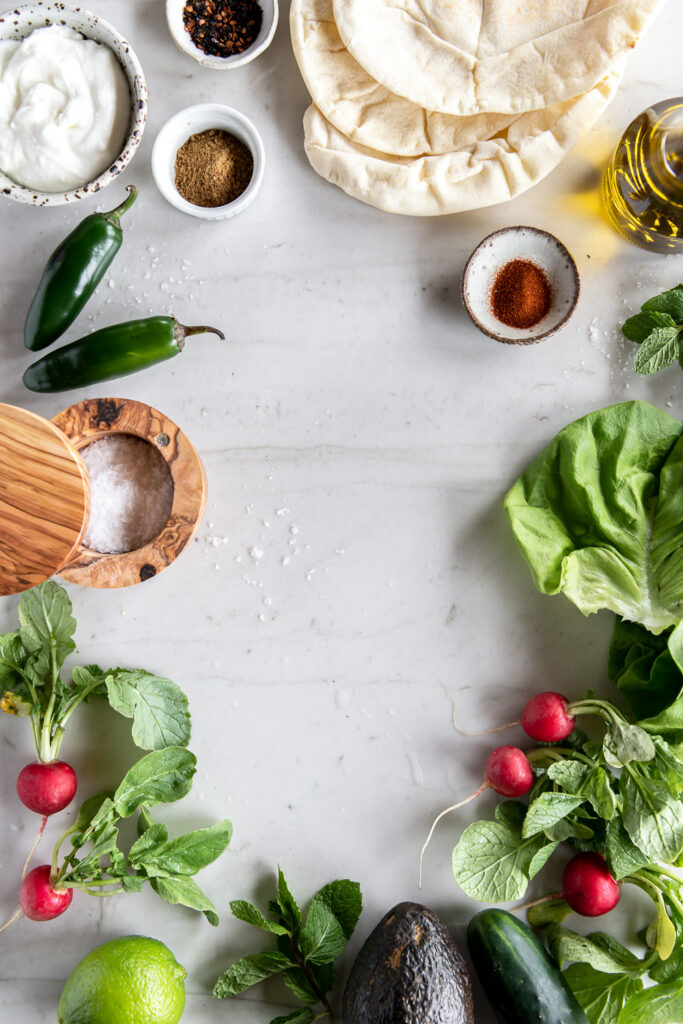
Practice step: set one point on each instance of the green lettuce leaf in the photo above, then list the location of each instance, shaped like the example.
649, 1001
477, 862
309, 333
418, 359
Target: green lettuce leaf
648, 669
599, 514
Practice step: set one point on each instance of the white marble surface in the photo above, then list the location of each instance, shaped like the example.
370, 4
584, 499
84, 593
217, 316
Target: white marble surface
354, 563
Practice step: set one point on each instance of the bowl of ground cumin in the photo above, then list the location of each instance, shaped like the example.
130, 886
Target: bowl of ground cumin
520, 285
222, 34
208, 161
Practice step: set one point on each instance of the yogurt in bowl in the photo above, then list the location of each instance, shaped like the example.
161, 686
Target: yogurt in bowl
73, 103
64, 109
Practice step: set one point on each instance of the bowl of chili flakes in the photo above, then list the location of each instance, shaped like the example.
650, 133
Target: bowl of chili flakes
222, 34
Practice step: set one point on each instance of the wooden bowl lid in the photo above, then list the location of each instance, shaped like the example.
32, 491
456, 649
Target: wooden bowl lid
44, 499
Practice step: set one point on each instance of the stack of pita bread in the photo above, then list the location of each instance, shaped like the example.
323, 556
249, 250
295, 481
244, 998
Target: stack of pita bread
428, 107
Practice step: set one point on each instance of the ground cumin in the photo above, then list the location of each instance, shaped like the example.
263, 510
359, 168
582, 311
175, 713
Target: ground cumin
520, 294
213, 168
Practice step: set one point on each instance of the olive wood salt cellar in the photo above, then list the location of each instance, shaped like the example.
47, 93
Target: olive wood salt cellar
45, 494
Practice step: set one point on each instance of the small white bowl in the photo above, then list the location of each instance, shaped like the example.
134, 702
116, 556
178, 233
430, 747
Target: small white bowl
19, 23
524, 243
183, 40
177, 131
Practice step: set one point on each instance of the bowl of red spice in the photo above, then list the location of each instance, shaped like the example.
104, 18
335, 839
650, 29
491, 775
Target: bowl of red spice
222, 34
208, 161
520, 285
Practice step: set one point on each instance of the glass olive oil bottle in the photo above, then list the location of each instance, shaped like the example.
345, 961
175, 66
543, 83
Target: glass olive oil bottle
642, 189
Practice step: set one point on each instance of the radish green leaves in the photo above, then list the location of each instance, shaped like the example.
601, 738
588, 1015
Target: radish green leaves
31, 660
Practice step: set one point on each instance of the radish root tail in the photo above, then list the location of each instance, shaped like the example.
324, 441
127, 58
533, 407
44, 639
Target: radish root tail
482, 732
34, 847
15, 917
448, 810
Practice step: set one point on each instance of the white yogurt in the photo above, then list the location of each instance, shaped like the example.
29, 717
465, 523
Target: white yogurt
64, 109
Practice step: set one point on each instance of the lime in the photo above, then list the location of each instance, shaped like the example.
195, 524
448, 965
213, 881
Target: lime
132, 980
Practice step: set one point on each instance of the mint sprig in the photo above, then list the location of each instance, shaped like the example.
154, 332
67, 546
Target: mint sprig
307, 946
658, 329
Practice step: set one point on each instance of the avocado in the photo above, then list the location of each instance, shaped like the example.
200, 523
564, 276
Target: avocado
409, 971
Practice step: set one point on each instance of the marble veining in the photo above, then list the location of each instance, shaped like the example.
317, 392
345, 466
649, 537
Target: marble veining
354, 571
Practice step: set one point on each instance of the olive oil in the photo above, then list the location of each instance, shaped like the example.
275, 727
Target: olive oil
642, 189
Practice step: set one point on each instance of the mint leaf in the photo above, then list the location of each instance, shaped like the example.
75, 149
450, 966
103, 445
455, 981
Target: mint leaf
639, 327
322, 939
300, 987
660, 349
250, 914
601, 996
185, 855
662, 1004
344, 899
305, 1016
547, 810
491, 862
288, 905
669, 303
250, 971
158, 707
47, 625
185, 891
160, 777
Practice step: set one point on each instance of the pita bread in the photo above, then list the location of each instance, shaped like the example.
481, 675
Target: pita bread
361, 108
472, 56
478, 175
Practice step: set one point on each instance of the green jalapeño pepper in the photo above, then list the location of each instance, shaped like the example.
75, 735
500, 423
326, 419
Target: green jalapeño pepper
111, 352
72, 274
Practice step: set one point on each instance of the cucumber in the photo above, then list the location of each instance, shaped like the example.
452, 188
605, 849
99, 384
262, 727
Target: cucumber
520, 980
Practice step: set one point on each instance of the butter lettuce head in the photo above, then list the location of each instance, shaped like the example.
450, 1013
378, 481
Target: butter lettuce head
599, 514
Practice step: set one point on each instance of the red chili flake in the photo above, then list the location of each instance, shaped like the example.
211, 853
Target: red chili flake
221, 28
521, 294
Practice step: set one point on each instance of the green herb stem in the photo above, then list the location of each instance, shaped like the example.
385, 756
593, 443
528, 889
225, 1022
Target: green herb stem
309, 976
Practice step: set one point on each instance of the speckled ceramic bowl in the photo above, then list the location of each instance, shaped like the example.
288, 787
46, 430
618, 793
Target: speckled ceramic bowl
520, 243
20, 22
181, 37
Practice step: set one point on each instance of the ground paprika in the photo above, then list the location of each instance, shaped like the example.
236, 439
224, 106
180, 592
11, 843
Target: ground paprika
521, 294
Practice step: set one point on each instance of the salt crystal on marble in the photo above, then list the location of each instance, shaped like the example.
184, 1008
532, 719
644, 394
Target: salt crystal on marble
131, 493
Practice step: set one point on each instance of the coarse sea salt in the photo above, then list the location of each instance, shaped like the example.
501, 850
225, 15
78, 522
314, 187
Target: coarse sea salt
131, 493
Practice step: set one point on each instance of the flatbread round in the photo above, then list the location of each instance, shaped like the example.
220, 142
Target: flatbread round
477, 175
472, 56
361, 108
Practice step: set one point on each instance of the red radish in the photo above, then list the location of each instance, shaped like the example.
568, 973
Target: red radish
588, 887
508, 772
39, 901
47, 787
546, 719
